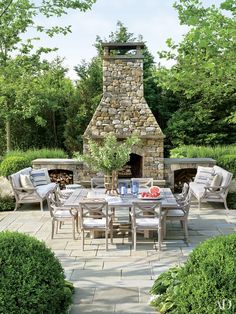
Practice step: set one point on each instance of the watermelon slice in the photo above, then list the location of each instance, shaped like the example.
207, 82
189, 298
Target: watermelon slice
155, 191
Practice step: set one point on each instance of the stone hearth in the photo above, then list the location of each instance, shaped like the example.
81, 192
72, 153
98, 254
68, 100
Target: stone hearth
124, 110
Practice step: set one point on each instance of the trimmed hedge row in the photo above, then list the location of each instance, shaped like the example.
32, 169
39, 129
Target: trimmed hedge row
205, 284
16, 160
225, 156
13, 164
31, 277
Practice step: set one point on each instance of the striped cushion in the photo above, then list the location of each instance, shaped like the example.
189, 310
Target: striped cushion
204, 175
39, 177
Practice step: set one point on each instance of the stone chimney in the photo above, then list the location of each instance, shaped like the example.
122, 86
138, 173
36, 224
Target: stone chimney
123, 109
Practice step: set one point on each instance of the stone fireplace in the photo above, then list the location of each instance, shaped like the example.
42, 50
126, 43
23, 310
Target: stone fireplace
124, 111
61, 171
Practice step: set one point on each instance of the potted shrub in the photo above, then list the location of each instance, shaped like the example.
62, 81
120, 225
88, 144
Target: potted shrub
108, 157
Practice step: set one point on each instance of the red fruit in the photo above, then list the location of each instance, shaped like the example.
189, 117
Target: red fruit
155, 194
154, 189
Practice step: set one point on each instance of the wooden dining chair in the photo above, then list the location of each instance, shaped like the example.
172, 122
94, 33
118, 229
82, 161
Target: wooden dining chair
146, 215
180, 213
94, 216
143, 182
59, 214
182, 196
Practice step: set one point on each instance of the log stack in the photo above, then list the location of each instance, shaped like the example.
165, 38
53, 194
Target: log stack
62, 177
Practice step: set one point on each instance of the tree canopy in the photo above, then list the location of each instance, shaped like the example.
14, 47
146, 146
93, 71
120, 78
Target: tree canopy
18, 70
203, 76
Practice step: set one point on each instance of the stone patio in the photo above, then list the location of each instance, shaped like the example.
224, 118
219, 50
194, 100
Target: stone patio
118, 281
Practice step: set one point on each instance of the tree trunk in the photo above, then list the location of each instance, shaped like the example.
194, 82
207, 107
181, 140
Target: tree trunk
54, 129
8, 135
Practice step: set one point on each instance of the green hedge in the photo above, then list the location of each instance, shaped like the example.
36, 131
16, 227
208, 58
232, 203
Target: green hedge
13, 164
38, 153
31, 277
225, 156
205, 283
16, 160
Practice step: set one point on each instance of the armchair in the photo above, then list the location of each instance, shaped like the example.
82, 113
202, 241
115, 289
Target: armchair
94, 216
146, 215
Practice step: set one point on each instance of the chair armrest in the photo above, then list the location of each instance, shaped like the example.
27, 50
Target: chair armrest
217, 188
25, 189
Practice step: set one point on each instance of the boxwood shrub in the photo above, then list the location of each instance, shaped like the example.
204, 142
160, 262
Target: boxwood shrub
31, 277
13, 164
7, 203
206, 283
16, 160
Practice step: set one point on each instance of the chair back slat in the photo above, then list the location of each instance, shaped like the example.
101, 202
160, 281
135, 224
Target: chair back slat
93, 208
143, 182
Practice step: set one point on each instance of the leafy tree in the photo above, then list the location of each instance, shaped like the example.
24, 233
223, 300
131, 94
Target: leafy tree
204, 75
16, 17
40, 96
87, 96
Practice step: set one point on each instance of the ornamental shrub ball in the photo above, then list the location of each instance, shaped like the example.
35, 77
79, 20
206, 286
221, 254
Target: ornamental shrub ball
208, 279
206, 283
13, 164
31, 277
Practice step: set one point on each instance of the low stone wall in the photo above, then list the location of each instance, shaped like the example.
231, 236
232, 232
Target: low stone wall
173, 164
82, 173
58, 163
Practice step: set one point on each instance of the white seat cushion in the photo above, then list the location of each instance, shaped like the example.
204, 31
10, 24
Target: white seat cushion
197, 189
94, 223
175, 213
62, 214
147, 222
42, 190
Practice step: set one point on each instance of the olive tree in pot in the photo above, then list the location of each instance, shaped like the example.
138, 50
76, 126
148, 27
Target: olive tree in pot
109, 157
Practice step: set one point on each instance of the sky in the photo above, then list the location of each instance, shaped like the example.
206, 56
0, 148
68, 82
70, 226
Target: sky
155, 20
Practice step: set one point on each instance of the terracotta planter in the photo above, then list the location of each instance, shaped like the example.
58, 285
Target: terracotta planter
111, 183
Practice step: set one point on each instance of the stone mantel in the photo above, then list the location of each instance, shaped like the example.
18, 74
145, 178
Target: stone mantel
198, 161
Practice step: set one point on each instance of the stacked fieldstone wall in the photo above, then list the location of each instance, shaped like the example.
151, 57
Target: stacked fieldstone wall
124, 111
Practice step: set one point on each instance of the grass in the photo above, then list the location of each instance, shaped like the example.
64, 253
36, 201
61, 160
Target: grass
38, 153
192, 151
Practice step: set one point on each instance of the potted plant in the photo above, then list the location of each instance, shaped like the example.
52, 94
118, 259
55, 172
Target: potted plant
108, 157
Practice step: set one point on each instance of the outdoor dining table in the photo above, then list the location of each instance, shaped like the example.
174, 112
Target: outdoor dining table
166, 199
119, 203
